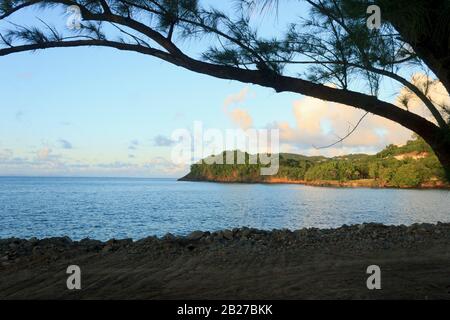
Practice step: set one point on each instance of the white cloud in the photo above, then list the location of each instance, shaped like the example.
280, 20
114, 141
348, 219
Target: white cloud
236, 97
240, 117
320, 123
433, 89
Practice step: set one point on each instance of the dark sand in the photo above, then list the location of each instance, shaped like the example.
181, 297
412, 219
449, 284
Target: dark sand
238, 264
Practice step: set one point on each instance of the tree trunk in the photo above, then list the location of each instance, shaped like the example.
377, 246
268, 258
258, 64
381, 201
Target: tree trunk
441, 147
444, 158
428, 32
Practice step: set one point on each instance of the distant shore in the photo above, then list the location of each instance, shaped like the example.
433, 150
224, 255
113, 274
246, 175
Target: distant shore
236, 264
361, 183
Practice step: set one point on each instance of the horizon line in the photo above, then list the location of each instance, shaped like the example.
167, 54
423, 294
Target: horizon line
86, 177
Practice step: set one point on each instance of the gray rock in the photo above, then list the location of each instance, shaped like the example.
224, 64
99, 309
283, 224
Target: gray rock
227, 234
113, 244
13, 245
169, 237
125, 242
66, 240
196, 235
301, 233
107, 248
245, 232
208, 239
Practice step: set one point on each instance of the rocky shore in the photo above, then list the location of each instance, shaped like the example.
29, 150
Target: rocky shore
241, 263
360, 183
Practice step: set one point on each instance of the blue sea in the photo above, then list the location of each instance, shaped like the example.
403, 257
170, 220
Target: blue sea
105, 208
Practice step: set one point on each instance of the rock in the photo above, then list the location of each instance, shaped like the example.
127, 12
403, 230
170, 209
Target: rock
66, 240
169, 237
217, 235
114, 245
208, 239
196, 235
111, 241
90, 244
107, 248
124, 242
257, 236
245, 232
146, 242
37, 250
301, 233
227, 234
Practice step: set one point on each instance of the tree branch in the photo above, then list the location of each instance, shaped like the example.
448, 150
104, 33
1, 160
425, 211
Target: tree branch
278, 82
105, 6
92, 42
347, 135
19, 7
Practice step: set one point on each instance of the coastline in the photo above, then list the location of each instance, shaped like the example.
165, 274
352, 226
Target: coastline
362, 183
241, 263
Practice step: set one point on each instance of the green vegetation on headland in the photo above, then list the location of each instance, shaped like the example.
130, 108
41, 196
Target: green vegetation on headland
413, 165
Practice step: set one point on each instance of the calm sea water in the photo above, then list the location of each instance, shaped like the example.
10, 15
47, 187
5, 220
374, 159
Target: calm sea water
104, 208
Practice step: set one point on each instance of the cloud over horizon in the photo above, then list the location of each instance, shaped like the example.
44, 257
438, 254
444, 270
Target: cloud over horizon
238, 116
47, 163
320, 123
317, 123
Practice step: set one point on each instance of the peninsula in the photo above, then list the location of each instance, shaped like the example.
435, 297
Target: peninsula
412, 165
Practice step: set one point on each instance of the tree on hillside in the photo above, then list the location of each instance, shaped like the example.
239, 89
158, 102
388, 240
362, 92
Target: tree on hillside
334, 45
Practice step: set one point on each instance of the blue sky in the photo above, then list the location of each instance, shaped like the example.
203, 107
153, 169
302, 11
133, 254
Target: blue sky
97, 111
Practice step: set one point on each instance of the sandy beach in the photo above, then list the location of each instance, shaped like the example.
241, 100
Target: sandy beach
236, 264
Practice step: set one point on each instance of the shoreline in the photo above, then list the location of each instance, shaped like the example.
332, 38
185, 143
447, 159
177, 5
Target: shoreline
366, 183
242, 263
